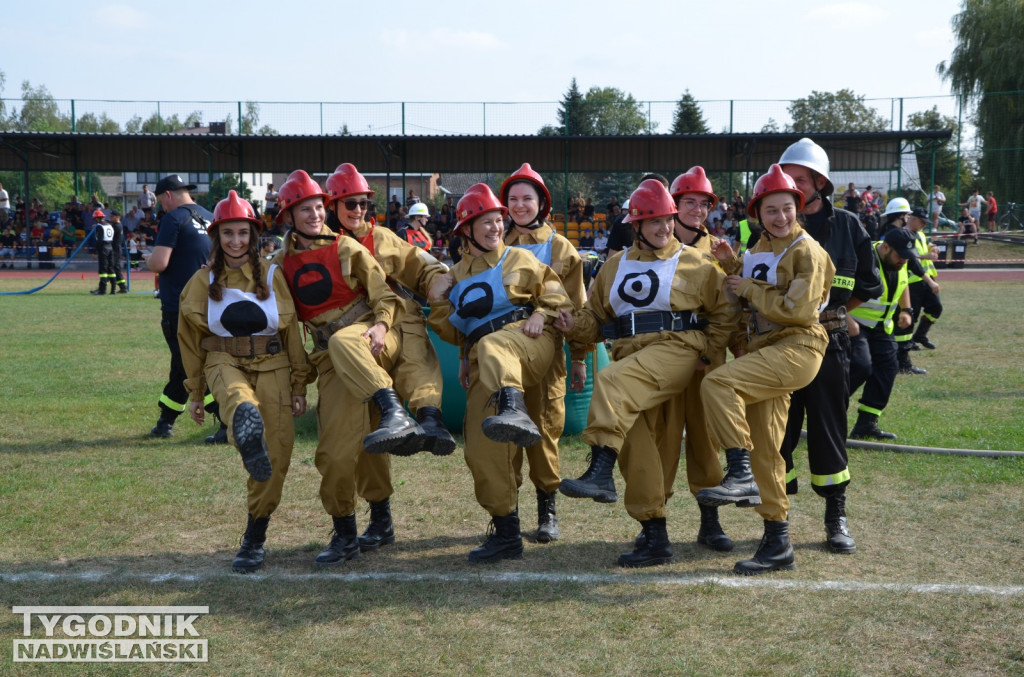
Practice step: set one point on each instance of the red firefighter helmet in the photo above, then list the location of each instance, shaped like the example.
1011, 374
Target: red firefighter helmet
650, 200
234, 208
299, 186
477, 200
346, 180
775, 181
98, 214
694, 181
526, 173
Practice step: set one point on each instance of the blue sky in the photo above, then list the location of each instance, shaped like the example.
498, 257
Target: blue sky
471, 51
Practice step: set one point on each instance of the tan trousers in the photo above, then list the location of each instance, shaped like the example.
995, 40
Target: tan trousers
750, 398
546, 402
271, 392
505, 358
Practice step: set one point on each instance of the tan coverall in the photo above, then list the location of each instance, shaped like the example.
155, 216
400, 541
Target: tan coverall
349, 373
750, 395
417, 371
650, 369
268, 381
546, 401
504, 358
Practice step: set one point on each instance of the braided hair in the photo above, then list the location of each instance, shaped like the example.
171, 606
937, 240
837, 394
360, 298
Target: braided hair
217, 264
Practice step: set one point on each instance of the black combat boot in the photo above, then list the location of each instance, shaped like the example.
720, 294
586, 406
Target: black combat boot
711, 533
597, 482
512, 423
839, 538
504, 540
398, 433
906, 366
651, 547
164, 425
250, 441
738, 485
921, 335
344, 543
380, 531
774, 554
867, 427
219, 437
102, 289
547, 521
250, 556
121, 289
438, 440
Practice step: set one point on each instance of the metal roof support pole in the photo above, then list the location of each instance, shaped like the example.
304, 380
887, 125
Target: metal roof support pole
959, 137
899, 160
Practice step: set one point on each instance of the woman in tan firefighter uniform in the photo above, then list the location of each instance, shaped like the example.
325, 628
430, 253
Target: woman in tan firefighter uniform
416, 371
497, 304
239, 335
647, 299
342, 296
785, 281
529, 202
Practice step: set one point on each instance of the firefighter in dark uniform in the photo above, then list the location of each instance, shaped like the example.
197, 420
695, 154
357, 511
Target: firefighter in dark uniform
118, 245
104, 252
874, 362
924, 294
827, 398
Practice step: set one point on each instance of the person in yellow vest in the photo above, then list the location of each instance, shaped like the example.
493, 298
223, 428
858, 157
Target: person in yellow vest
529, 202
924, 287
874, 363
785, 282
654, 301
342, 295
416, 232
497, 305
239, 334
415, 370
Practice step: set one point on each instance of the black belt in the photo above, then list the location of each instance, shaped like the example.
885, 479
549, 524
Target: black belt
497, 323
632, 324
833, 319
243, 346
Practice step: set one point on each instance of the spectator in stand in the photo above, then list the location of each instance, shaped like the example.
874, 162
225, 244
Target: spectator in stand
446, 220
131, 219
586, 240
935, 202
8, 246
37, 233
147, 199
68, 236
974, 204
621, 235
851, 199
5, 199
412, 198
393, 209
601, 241
992, 211
716, 215
588, 210
270, 200
739, 206
612, 204
968, 225
574, 211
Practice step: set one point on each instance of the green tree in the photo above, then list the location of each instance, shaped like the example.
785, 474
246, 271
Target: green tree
612, 112
843, 111
688, 117
156, 124
219, 188
90, 122
946, 166
985, 69
572, 118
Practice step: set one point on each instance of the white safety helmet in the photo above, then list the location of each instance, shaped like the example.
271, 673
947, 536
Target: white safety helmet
897, 205
625, 206
808, 154
420, 209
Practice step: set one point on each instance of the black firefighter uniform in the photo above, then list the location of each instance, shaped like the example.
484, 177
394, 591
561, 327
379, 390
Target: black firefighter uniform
649, 368
267, 380
340, 291
502, 284
787, 282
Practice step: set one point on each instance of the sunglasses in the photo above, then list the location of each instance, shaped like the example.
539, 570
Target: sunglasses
352, 204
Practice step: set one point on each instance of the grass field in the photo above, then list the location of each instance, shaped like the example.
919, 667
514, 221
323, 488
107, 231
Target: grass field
92, 512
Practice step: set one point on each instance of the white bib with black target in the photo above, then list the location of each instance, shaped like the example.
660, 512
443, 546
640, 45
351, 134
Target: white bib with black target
240, 313
643, 286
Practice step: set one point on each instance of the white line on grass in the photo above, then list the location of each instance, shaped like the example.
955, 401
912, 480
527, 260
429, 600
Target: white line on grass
770, 583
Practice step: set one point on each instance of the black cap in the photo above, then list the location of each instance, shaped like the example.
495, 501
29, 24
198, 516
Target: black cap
114, 212
920, 213
901, 241
172, 182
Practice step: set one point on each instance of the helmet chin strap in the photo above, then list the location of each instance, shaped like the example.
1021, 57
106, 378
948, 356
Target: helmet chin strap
641, 238
533, 225
699, 233
311, 238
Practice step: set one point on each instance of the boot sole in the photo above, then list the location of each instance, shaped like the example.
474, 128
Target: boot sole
547, 537
514, 554
652, 562
573, 490
337, 563
248, 430
370, 547
727, 546
842, 551
397, 445
719, 500
439, 446
757, 572
497, 431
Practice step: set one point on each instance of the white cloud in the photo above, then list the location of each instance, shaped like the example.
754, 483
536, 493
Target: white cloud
121, 17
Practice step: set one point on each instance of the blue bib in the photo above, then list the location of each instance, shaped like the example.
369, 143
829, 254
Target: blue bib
541, 251
479, 299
